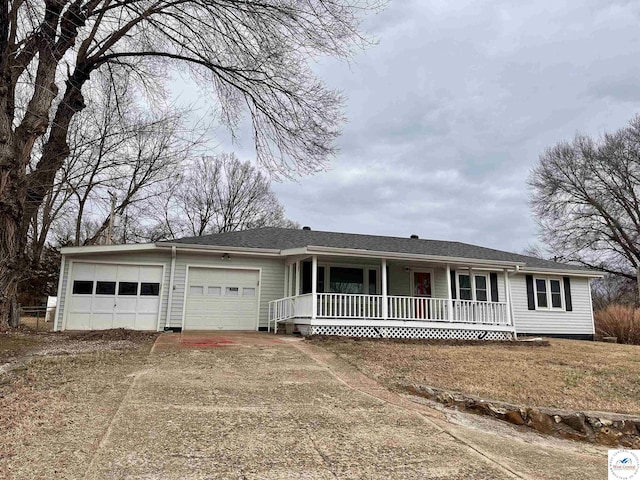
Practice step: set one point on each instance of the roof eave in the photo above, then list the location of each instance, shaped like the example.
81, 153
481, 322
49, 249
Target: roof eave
137, 247
558, 271
411, 256
221, 248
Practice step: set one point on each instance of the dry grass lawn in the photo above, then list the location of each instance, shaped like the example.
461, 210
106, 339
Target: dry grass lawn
567, 374
58, 393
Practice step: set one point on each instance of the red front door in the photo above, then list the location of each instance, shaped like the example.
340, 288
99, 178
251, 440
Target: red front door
422, 288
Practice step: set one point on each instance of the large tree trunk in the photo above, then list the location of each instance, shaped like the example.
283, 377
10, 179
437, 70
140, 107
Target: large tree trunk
12, 199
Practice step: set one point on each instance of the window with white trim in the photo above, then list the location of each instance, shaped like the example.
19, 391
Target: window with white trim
482, 287
548, 293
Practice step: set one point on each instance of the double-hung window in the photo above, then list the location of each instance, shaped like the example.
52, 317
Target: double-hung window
548, 293
482, 287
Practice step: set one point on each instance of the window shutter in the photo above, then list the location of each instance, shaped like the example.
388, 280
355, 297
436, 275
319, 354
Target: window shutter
453, 284
306, 277
531, 302
567, 294
493, 277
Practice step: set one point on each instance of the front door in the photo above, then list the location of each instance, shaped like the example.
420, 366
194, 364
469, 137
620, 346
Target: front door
422, 288
421, 284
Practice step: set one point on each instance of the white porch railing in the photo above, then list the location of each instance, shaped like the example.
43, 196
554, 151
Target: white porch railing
369, 307
468, 311
342, 305
283, 309
418, 308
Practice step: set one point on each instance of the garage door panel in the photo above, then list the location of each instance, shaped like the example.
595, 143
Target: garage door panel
101, 320
79, 321
105, 308
215, 299
84, 271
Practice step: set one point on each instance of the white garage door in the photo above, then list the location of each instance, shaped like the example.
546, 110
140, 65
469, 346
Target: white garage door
221, 299
114, 296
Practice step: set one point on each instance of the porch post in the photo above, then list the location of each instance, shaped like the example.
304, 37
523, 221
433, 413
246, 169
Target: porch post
314, 287
286, 279
297, 278
472, 282
383, 275
507, 296
449, 294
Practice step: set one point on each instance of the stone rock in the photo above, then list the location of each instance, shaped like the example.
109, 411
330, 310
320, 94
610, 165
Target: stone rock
496, 411
608, 436
628, 427
605, 422
539, 421
557, 418
514, 417
578, 423
594, 422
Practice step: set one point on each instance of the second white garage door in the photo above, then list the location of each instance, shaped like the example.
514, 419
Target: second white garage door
221, 299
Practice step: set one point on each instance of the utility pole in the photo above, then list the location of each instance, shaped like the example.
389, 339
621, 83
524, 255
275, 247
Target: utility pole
111, 215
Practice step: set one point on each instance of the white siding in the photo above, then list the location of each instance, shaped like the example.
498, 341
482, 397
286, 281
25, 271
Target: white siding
141, 258
577, 322
271, 284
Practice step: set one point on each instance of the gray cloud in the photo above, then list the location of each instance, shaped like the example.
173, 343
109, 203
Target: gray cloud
449, 112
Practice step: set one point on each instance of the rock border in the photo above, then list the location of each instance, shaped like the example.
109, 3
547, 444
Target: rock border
595, 427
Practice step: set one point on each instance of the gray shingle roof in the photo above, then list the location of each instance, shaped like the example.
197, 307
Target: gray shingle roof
286, 238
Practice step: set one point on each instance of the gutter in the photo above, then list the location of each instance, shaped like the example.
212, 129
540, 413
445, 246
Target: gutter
167, 320
414, 256
221, 248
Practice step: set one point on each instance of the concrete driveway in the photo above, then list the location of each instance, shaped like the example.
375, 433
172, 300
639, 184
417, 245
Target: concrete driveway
264, 407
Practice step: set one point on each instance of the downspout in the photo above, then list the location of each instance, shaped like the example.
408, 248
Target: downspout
513, 320
167, 322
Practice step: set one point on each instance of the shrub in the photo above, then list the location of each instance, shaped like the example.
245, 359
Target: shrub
619, 321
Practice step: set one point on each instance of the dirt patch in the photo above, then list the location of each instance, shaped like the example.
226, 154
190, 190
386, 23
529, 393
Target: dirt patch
114, 334
564, 374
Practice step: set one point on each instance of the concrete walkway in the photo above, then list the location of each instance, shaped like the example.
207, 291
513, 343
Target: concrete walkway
264, 407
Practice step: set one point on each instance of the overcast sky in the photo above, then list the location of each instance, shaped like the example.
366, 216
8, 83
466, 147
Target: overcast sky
450, 111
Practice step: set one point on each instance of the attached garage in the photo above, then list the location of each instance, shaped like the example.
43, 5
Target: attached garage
109, 295
221, 299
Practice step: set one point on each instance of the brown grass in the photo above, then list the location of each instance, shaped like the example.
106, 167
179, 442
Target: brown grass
567, 374
55, 408
619, 321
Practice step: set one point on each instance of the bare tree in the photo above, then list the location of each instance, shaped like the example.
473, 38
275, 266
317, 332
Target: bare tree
251, 54
219, 194
586, 198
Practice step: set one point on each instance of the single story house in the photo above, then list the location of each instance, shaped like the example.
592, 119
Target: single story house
324, 283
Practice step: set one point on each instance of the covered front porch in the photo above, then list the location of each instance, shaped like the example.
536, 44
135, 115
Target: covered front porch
397, 297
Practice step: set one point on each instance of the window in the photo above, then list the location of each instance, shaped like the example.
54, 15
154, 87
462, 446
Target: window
548, 292
149, 289
105, 288
556, 293
196, 290
214, 291
82, 287
232, 291
541, 293
482, 287
248, 292
128, 288
373, 277
320, 280
346, 280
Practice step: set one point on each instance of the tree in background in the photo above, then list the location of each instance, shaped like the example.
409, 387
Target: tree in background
251, 55
218, 194
586, 199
